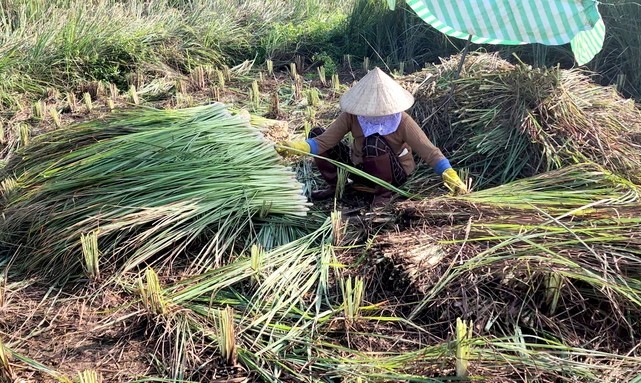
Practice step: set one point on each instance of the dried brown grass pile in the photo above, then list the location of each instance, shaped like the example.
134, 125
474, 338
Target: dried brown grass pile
556, 255
505, 121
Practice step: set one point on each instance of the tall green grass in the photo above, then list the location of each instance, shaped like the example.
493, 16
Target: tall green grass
392, 37
66, 42
620, 61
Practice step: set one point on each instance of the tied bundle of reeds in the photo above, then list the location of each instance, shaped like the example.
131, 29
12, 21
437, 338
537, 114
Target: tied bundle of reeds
149, 184
506, 122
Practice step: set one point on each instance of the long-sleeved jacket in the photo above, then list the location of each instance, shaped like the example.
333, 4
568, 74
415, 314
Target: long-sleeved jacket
408, 136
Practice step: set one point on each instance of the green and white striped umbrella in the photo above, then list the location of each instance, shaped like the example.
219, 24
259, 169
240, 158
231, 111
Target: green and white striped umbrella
512, 22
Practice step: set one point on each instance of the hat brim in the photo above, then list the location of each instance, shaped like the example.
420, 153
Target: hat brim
376, 94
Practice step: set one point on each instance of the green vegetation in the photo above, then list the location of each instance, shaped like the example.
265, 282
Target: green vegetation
64, 43
169, 178
620, 60
148, 233
402, 37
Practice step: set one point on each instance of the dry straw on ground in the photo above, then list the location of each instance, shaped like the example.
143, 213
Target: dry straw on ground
556, 254
505, 121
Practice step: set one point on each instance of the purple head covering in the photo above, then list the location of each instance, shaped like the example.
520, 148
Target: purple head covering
382, 125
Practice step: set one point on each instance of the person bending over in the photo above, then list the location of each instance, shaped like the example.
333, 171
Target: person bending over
384, 139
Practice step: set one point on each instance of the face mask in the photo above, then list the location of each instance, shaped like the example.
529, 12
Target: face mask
382, 125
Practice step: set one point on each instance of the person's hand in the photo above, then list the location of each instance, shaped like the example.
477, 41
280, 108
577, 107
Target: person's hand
453, 182
292, 148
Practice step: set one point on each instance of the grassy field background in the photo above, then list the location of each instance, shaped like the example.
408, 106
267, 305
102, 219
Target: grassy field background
62, 44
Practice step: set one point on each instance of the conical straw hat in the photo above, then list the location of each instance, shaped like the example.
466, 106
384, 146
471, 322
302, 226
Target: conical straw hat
376, 94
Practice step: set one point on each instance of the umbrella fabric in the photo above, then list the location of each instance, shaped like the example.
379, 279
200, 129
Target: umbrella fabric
510, 22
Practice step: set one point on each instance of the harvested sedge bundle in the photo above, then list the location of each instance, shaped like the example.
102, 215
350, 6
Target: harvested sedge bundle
150, 183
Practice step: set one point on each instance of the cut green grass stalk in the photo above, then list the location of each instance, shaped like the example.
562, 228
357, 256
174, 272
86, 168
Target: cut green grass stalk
86, 98
91, 253
24, 134
353, 293
151, 292
89, 376
55, 117
227, 335
553, 286
6, 371
463, 336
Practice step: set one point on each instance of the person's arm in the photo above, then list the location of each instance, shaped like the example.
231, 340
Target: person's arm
332, 136
319, 144
418, 141
421, 145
